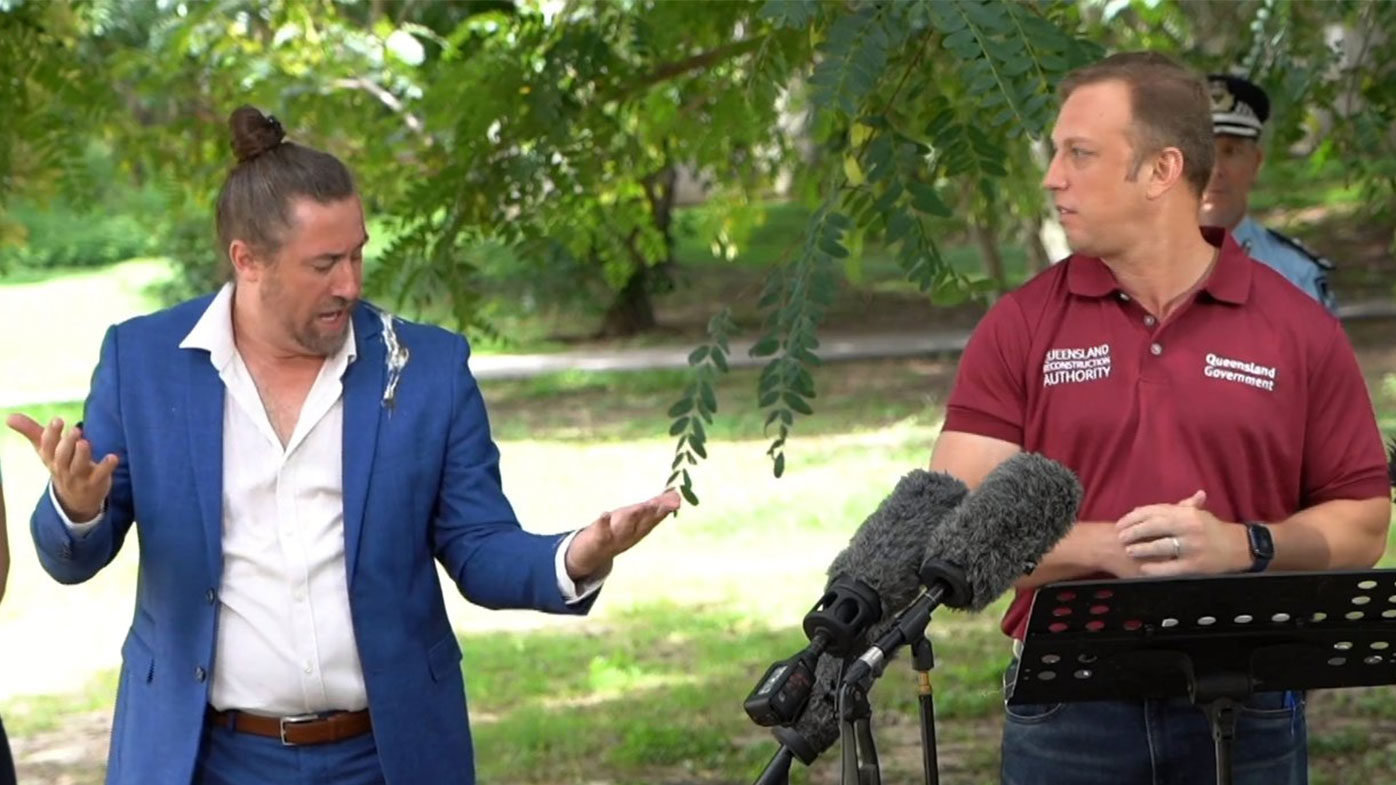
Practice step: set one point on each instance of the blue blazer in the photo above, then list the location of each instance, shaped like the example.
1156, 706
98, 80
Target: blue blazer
421, 482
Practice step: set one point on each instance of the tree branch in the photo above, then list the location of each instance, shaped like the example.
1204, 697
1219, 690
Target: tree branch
386, 98
666, 71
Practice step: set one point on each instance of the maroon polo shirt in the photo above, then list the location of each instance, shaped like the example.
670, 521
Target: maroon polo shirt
1249, 391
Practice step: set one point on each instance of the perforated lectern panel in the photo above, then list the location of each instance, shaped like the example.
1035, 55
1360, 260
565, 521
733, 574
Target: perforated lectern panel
1149, 638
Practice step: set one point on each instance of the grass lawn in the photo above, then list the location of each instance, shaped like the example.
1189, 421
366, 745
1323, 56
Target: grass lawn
54, 325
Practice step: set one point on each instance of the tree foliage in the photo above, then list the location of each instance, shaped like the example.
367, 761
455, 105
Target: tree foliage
918, 105
556, 129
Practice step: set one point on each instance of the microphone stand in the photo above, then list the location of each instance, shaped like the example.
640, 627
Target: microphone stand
945, 584
923, 659
860, 766
777, 772
860, 763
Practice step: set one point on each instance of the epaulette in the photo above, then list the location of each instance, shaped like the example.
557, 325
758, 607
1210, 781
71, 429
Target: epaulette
1301, 248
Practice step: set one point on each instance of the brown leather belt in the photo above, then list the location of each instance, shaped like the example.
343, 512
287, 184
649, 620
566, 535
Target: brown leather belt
298, 730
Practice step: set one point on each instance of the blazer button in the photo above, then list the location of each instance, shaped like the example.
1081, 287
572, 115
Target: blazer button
211, 596
200, 674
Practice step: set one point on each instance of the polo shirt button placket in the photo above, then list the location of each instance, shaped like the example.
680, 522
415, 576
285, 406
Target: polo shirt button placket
1156, 348
1149, 320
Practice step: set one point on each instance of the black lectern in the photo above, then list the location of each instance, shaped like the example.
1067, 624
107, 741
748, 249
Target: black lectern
1214, 640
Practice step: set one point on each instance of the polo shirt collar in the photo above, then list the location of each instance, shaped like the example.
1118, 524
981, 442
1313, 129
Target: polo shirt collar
1230, 281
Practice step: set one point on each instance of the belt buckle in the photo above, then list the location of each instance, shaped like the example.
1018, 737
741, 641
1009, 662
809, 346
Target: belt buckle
298, 719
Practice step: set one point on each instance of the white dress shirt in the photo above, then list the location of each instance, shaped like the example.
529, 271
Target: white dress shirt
285, 637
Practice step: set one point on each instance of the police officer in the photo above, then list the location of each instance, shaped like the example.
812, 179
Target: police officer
1239, 111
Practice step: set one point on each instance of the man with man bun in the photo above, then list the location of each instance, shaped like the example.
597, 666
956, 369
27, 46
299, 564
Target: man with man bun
295, 462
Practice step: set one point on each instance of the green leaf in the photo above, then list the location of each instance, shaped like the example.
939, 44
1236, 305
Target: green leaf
927, 201
948, 293
898, 226
687, 490
804, 384
888, 198
807, 357
990, 16
698, 355
879, 157
963, 43
944, 17
679, 426
852, 171
709, 398
681, 407
832, 247
791, 14
771, 376
720, 360
1017, 66
795, 402
770, 418
765, 347
779, 465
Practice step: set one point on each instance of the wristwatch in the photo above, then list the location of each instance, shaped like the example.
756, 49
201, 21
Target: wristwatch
1262, 545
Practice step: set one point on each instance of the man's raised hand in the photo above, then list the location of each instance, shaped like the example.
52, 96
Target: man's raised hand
80, 483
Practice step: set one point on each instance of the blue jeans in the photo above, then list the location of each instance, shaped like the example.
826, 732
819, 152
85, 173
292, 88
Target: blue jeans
1151, 742
228, 757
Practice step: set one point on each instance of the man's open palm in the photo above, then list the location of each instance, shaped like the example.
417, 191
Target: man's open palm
616, 532
80, 483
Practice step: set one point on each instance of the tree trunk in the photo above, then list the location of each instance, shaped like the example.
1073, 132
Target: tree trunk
632, 310
989, 252
1038, 258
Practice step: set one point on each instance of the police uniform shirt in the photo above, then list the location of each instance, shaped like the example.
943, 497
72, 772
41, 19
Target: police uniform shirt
1286, 256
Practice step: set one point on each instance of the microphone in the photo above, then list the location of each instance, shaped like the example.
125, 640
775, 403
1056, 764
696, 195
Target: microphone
817, 728
869, 580
887, 550
1022, 509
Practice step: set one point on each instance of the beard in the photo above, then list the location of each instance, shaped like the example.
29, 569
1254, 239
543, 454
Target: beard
310, 334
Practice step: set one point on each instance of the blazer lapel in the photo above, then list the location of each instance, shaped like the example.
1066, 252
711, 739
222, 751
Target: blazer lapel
205, 409
363, 391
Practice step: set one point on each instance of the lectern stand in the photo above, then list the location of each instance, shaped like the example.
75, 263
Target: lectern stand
1214, 640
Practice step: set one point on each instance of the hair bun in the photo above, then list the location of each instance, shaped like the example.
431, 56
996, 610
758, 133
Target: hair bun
253, 132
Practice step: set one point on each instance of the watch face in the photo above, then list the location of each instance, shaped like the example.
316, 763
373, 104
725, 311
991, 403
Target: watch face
1262, 544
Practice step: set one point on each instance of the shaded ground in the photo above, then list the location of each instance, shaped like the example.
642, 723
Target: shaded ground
1349, 741
1361, 251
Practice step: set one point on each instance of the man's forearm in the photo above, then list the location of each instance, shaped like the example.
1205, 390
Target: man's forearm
1090, 547
1335, 535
